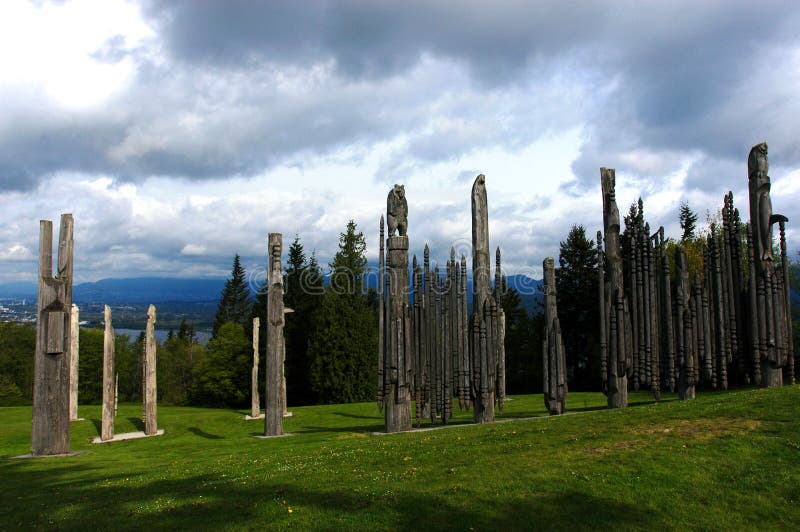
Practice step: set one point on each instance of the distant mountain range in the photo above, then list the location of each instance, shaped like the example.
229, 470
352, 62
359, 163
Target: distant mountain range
142, 290
133, 290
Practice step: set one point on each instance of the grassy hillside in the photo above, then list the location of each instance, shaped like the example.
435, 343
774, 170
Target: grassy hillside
724, 461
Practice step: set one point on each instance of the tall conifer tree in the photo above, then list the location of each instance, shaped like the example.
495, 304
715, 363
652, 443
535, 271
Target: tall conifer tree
234, 304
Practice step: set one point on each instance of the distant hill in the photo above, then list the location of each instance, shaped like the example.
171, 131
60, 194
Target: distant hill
143, 290
133, 290
148, 290
24, 290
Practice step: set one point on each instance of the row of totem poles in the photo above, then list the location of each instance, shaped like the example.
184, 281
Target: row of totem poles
726, 323
431, 349
55, 383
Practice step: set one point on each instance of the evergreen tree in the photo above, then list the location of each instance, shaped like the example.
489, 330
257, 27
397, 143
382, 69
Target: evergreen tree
17, 345
523, 343
688, 220
576, 285
234, 304
303, 295
349, 263
90, 367
344, 349
222, 377
344, 342
176, 362
128, 366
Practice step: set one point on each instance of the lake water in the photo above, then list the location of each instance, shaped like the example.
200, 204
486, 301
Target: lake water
161, 335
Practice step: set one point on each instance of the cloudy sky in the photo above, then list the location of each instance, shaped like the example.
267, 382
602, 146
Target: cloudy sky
180, 133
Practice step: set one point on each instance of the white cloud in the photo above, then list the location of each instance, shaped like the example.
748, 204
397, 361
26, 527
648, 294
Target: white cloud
181, 134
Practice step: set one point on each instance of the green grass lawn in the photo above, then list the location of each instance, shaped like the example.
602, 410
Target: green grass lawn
724, 461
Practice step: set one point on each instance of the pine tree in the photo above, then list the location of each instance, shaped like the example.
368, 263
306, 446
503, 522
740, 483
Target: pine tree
349, 263
344, 341
344, 349
523, 344
303, 295
576, 286
234, 304
688, 220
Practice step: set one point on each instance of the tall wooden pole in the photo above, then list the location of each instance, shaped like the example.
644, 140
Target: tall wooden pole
150, 391
398, 348
74, 354
109, 379
51, 403
381, 321
273, 409
484, 359
619, 361
255, 399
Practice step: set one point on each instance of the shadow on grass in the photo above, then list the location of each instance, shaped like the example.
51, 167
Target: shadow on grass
137, 423
88, 497
98, 425
356, 416
203, 434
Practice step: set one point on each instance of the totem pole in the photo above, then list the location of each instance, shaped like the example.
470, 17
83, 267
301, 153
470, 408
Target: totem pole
484, 347
771, 322
398, 343
554, 358
51, 402
615, 329
274, 408
684, 307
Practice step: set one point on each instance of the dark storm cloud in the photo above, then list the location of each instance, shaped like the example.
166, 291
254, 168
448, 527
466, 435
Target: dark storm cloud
209, 103
678, 67
371, 39
37, 144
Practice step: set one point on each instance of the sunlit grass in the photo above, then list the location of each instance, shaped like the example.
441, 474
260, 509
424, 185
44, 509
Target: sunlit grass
725, 461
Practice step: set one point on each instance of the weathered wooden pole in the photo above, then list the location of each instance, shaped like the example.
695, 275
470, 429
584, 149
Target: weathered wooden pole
109, 379
484, 352
752, 314
554, 359
420, 347
255, 399
429, 338
150, 392
51, 381
683, 325
499, 290
790, 363
381, 391
426, 342
601, 283
466, 368
619, 342
273, 408
761, 220
284, 401
74, 354
668, 334
399, 349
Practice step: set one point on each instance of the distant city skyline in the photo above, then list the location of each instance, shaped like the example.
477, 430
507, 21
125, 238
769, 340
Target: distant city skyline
181, 133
